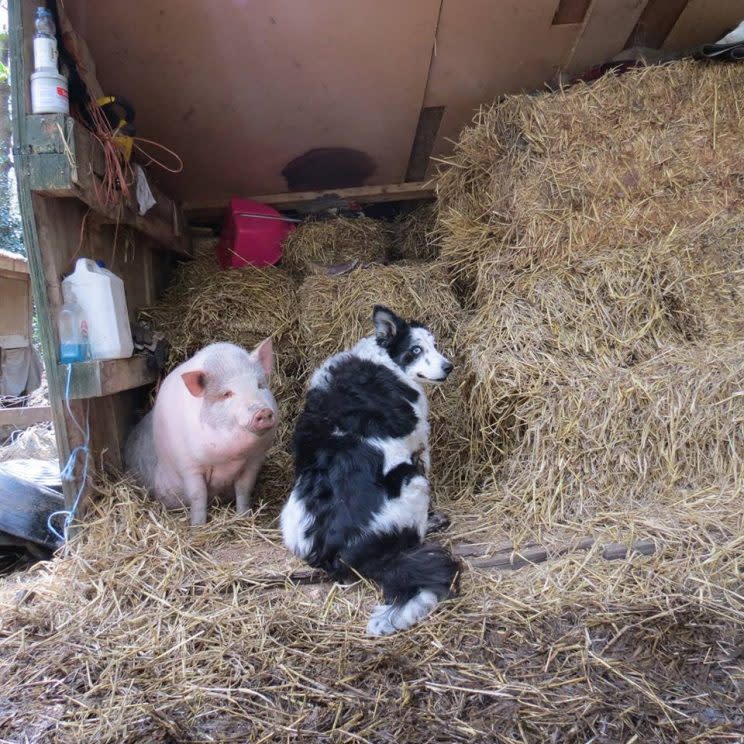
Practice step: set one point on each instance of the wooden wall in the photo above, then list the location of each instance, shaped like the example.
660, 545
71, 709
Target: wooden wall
242, 88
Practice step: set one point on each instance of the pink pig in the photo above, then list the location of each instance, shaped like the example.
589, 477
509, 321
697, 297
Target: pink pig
210, 428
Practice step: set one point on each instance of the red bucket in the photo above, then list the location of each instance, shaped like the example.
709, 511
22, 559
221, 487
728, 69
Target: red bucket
252, 234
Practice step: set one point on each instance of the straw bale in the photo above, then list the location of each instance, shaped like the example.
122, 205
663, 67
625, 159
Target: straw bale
323, 243
563, 435
336, 312
242, 306
687, 287
616, 162
174, 633
413, 234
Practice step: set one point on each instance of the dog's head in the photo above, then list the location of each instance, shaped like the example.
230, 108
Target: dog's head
411, 346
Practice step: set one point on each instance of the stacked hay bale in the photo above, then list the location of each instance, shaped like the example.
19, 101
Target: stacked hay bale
319, 244
336, 312
595, 235
621, 162
413, 237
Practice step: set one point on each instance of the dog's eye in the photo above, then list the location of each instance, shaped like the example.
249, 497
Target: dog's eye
415, 350
262, 386
227, 394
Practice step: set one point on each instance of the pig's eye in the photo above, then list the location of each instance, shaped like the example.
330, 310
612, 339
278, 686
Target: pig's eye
227, 394
262, 386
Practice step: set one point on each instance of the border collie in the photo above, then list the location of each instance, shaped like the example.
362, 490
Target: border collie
360, 502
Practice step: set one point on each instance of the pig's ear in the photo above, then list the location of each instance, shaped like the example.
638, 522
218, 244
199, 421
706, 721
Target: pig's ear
196, 382
264, 355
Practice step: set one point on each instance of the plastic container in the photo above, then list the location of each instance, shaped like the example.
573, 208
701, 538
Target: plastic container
46, 54
49, 93
73, 334
252, 233
101, 296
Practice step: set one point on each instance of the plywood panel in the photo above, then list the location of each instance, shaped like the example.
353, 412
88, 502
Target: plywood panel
241, 88
485, 49
608, 26
703, 22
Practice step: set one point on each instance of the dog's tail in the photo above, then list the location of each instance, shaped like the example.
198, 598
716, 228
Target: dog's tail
413, 582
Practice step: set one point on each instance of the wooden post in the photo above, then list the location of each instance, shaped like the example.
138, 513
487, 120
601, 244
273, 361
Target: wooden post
20, 76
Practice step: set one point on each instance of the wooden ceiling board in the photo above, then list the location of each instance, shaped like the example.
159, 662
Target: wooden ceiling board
486, 49
703, 22
608, 25
241, 88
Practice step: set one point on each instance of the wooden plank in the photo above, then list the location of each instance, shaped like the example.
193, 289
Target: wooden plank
703, 22
515, 559
658, 18
44, 273
25, 416
15, 310
278, 81
99, 377
13, 263
485, 49
304, 199
608, 25
65, 160
24, 509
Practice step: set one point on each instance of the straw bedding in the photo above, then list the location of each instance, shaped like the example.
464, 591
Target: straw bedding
601, 369
323, 243
173, 634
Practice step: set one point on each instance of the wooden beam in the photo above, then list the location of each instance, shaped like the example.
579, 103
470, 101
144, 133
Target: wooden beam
515, 559
100, 377
20, 18
65, 160
25, 416
304, 199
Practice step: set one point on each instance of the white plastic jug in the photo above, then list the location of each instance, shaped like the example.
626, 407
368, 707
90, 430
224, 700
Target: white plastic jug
101, 296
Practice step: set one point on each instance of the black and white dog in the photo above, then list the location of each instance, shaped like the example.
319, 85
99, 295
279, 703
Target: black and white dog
360, 502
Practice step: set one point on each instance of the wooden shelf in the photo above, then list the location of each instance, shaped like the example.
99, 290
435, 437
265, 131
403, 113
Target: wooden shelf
24, 416
101, 377
66, 160
325, 199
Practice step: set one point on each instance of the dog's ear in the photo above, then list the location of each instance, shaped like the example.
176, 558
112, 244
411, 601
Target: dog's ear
387, 325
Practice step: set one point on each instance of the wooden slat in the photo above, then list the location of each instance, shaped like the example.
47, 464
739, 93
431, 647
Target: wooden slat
608, 25
97, 378
65, 160
515, 559
303, 199
24, 416
657, 20
44, 274
704, 22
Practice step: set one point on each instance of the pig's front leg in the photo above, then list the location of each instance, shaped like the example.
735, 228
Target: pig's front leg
195, 490
244, 487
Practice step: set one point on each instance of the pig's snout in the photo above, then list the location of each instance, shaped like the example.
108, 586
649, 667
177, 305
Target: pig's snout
263, 420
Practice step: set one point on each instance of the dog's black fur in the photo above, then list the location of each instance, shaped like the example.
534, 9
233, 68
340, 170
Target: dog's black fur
340, 478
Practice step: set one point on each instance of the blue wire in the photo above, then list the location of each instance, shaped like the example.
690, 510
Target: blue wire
68, 472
